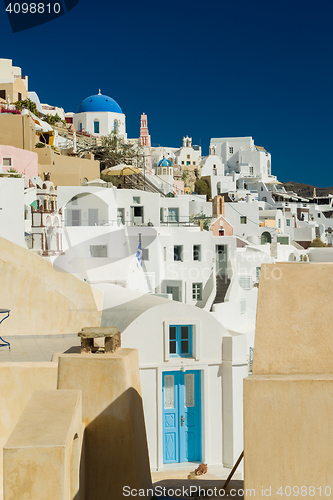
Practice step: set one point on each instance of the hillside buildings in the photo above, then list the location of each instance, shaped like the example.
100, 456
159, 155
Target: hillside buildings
176, 272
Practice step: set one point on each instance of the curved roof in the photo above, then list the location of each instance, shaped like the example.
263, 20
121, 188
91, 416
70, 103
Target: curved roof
99, 103
165, 163
122, 307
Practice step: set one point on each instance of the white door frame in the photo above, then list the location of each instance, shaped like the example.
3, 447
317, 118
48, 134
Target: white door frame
204, 409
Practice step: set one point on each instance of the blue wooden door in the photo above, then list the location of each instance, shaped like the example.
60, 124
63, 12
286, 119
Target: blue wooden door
181, 395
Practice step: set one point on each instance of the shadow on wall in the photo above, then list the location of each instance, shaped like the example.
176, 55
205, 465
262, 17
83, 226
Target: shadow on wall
116, 442
206, 293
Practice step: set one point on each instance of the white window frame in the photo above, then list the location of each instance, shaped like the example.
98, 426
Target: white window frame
195, 338
7, 158
231, 150
245, 281
197, 291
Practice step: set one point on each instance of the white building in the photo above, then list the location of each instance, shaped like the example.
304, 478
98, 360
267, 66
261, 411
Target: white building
213, 170
242, 157
187, 157
12, 209
191, 372
100, 115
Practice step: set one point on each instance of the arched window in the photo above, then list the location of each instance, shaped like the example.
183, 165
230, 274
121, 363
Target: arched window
115, 126
96, 127
80, 126
266, 238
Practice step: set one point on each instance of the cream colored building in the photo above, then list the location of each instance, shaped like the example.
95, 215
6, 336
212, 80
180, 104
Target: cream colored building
20, 131
67, 170
12, 84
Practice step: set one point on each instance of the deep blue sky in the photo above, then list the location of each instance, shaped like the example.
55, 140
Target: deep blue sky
210, 69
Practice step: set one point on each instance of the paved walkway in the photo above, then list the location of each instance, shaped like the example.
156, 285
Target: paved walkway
174, 482
36, 347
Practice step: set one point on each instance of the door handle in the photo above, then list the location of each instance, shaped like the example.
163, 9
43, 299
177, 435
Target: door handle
182, 420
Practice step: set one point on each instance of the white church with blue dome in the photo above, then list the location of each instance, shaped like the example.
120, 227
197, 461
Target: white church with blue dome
100, 115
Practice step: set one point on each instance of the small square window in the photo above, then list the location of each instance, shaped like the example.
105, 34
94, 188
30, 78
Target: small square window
243, 219
231, 150
288, 222
251, 170
197, 291
7, 162
319, 215
188, 157
180, 340
136, 199
194, 163
173, 215
196, 252
98, 251
183, 163
188, 163
145, 254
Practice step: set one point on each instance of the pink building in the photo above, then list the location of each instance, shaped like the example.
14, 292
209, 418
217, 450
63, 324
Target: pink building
23, 161
178, 187
221, 227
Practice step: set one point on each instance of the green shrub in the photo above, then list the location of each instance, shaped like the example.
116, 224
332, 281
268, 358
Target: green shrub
317, 243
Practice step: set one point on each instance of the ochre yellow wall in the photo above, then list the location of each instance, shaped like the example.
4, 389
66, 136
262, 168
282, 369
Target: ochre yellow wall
47, 438
288, 434
294, 309
116, 450
288, 401
18, 131
18, 381
269, 223
66, 170
12, 90
41, 299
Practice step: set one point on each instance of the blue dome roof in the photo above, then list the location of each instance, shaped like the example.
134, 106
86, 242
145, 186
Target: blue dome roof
165, 163
98, 103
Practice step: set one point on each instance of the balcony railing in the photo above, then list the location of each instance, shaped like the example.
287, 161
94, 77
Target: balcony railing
104, 222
